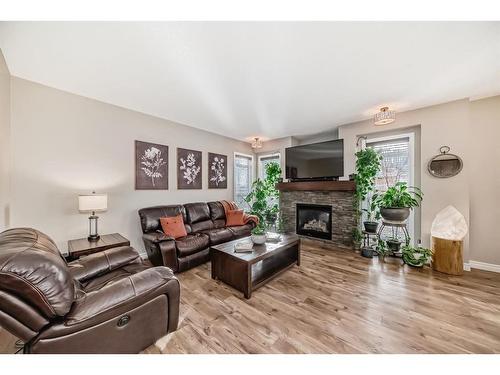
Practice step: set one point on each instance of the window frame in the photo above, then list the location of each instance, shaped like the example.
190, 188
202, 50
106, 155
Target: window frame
266, 155
252, 170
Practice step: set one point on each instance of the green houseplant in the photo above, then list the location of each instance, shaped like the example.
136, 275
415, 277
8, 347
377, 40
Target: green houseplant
263, 200
416, 256
397, 201
372, 215
381, 249
367, 168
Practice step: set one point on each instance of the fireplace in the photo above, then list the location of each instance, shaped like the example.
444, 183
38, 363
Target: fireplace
314, 220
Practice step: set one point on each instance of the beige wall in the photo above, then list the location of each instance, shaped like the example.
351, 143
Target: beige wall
65, 144
4, 143
484, 181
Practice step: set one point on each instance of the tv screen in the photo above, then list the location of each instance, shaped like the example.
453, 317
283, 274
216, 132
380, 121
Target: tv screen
324, 160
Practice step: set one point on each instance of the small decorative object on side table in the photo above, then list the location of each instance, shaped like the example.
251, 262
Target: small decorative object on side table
82, 246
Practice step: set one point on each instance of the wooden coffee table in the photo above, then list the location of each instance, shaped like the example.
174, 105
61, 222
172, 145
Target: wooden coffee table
248, 271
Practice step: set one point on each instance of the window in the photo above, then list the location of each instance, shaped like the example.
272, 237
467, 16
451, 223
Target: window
243, 177
263, 161
396, 166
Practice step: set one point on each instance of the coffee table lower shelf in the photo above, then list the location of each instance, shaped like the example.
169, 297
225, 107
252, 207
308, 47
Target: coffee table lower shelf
249, 272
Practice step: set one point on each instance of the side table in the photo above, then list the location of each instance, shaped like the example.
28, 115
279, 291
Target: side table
82, 246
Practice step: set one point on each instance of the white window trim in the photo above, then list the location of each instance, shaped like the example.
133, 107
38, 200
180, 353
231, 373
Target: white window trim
234, 169
267, 155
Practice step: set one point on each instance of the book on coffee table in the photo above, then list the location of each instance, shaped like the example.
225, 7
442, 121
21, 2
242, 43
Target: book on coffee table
243, 247
273, 237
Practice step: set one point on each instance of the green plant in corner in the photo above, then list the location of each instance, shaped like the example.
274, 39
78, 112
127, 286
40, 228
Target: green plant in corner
357, 237
381, 249
367, 168
373, 211
400, 196
259, 230
416, 256
263, 198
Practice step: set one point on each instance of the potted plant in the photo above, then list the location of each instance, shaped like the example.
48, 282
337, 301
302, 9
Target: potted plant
393, 245
381, 250
373, 215
416, 256
357, 237
367, 168
395, 203
259, 234
263, 198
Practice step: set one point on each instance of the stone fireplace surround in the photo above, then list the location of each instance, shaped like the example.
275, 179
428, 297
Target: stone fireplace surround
338, 194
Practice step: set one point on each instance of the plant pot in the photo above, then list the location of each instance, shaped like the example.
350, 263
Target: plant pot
258, 239
393, 245
370, 226
367, 252
395, 214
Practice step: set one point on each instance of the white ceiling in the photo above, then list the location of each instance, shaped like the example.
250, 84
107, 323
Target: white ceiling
244, 79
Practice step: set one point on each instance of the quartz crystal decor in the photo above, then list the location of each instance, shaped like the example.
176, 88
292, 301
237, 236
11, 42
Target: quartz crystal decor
449, 224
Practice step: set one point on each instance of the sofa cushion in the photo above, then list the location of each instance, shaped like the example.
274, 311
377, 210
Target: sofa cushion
220, 235
216, 211
202, 226
241, 230
150, 216
234, 218
191, 244
197, 212
220, 223
173, 226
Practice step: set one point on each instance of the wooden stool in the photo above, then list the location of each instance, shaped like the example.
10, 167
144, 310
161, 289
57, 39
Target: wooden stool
447, 256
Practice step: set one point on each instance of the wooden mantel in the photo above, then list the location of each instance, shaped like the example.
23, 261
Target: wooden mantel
317, 186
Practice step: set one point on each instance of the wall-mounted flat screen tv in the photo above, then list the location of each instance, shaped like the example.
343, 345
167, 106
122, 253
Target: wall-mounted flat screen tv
318, 161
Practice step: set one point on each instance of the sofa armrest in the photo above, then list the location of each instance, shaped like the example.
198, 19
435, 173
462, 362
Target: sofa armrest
144, 285
102, 262
114, 300
162, 249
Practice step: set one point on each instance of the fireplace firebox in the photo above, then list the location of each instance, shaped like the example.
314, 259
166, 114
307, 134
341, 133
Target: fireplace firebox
314, 220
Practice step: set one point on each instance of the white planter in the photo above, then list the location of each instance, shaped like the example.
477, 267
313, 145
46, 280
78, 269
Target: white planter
258, 239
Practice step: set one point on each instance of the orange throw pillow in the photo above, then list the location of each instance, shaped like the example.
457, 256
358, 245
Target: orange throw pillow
173, 226
234, 218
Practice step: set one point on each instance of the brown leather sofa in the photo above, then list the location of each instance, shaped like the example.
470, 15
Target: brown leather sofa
108, 302
205, 225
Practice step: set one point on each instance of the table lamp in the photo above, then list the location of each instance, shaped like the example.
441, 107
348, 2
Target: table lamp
93, 203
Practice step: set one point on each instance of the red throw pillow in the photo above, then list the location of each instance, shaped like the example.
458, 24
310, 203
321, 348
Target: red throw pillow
234, 218
173, 226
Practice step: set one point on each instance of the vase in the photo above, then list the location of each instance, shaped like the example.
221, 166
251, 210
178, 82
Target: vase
395, 214
258, 239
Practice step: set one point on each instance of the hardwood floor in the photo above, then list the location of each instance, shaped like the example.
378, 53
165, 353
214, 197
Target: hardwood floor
338, 302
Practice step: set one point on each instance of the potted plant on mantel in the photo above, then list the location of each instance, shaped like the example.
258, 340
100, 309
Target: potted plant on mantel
397, 201
367, 168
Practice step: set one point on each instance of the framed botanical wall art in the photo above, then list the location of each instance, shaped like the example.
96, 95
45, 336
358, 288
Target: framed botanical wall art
217, 171
151, 166
188, 169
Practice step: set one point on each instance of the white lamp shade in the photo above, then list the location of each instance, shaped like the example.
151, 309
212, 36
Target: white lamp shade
93, 202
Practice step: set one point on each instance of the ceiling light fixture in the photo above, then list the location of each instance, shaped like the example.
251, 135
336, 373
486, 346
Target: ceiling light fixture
257, 143
384, 117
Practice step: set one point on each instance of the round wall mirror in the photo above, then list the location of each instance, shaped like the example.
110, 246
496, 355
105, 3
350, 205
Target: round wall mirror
445, 164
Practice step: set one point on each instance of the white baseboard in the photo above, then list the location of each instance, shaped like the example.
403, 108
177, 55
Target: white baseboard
466, 267
484, 266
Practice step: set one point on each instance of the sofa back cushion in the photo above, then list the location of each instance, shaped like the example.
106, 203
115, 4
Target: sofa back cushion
198, 216
33, 270
150, 217
173, 226
216, 211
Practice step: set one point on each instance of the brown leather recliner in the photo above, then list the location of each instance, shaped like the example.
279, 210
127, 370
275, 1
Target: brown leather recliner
108, 302
205, 225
